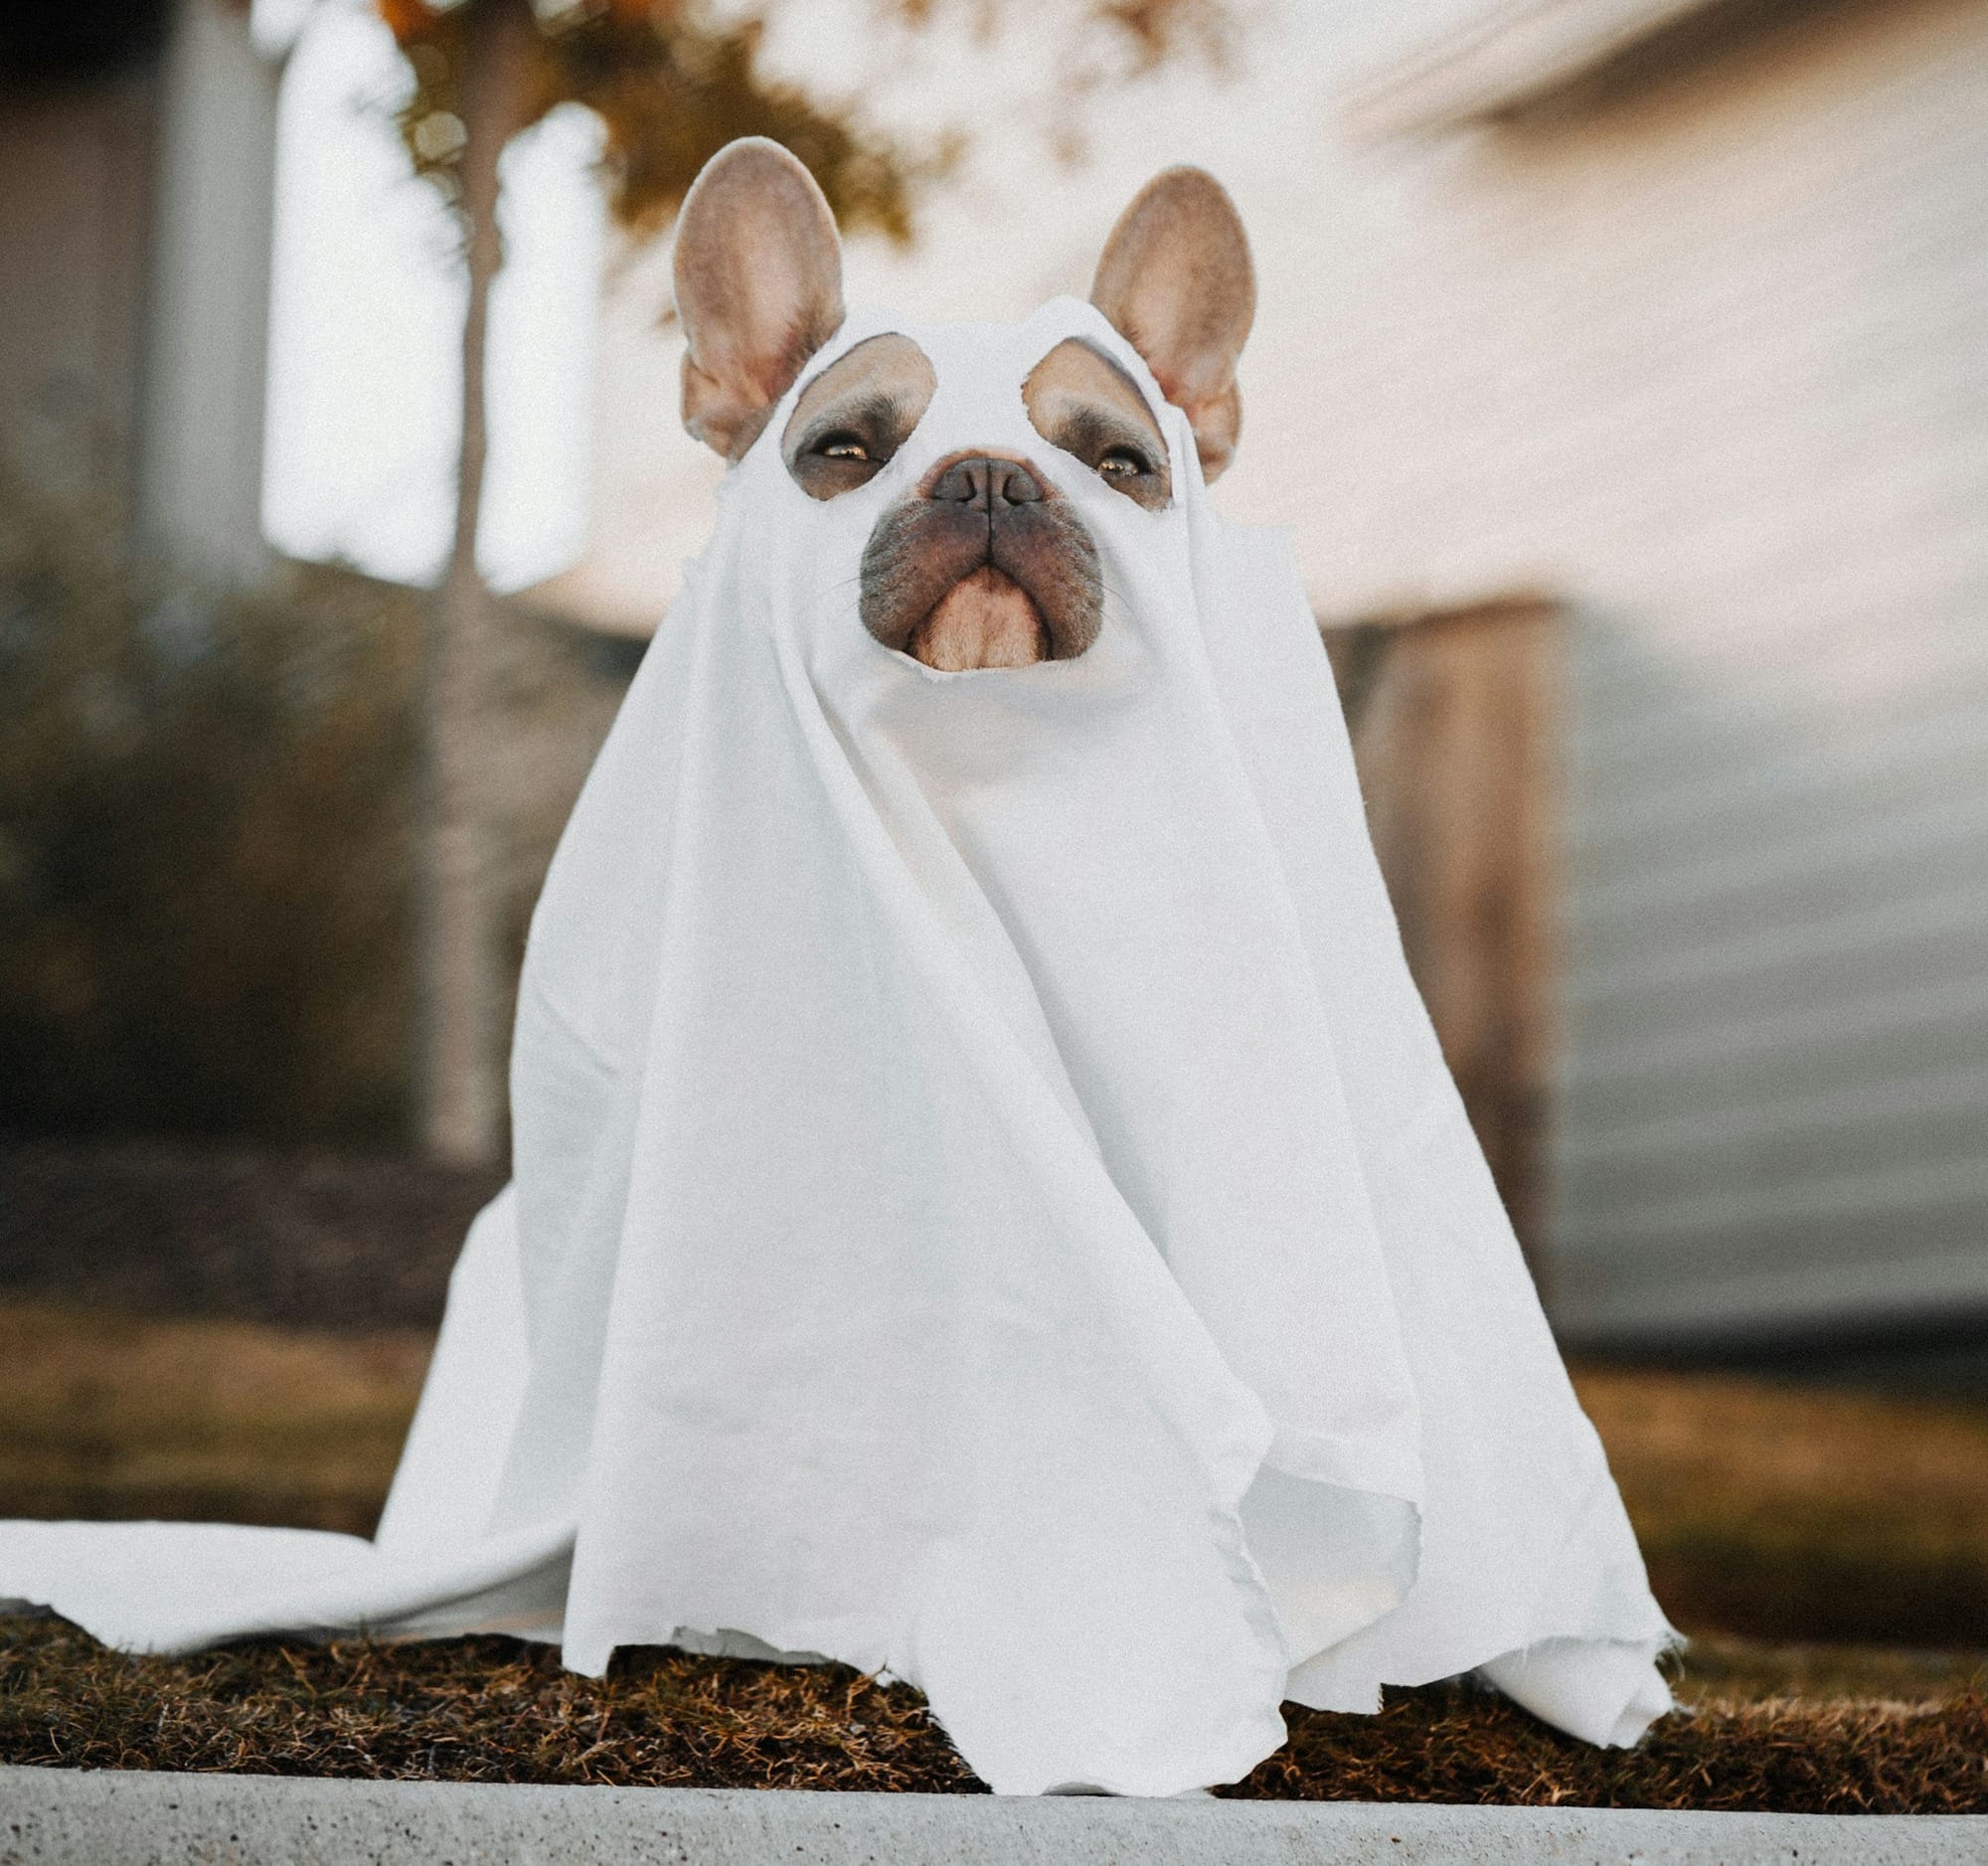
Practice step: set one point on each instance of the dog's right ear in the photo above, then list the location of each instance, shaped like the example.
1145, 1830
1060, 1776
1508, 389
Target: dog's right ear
1178, 285
759, 283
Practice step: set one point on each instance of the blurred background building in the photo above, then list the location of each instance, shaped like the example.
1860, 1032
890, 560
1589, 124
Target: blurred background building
1676, 313
1622, 369
137, 170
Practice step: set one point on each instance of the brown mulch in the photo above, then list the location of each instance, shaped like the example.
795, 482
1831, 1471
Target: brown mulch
494, 1710
464, 1710
302, 1237
1444, 1743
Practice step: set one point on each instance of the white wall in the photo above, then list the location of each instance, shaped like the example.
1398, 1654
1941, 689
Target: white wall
1713, 363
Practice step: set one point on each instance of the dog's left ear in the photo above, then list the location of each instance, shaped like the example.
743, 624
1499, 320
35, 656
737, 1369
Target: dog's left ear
1177, 283
759, 282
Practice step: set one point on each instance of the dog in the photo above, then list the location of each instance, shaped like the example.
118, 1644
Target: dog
984, 564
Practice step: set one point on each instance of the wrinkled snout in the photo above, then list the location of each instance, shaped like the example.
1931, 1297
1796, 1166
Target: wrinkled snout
984, 566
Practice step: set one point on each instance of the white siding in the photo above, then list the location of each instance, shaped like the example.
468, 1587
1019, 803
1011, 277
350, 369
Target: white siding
1708, 357
1775, 1091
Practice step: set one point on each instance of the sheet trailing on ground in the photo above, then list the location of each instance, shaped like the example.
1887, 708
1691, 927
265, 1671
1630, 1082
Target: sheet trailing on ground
988, 1202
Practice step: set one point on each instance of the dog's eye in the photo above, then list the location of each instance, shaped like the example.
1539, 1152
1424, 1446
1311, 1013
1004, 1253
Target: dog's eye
1124, 463
841, 447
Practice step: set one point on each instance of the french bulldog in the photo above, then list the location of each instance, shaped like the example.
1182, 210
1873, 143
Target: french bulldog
984, 564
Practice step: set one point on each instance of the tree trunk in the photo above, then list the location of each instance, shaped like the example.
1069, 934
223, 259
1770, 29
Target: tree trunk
461, 1103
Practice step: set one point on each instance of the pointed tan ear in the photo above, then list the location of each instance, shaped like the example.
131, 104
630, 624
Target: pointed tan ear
1177, 283
759, 282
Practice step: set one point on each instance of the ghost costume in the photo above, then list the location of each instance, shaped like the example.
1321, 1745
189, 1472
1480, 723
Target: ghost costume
989, 1206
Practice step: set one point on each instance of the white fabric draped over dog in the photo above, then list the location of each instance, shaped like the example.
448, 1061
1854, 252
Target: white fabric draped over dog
989, 1205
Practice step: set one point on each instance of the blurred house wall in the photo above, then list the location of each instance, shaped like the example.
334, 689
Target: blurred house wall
75, 219
1700, 340
135, 250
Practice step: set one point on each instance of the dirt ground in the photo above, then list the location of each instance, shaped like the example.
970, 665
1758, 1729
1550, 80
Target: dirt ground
302, 1238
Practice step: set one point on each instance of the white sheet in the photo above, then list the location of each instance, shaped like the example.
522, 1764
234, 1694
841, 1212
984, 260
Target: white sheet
989, 1205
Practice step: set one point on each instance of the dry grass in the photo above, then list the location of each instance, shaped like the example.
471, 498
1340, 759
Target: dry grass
491, 1710
111, 1416
1789, 1513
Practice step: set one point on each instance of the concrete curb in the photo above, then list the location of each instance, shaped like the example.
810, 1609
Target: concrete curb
75, 1817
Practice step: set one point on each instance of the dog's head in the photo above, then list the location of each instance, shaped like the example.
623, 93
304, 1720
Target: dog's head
984, 563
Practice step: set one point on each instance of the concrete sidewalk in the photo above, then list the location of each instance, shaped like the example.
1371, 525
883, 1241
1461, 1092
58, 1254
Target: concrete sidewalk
64, 1817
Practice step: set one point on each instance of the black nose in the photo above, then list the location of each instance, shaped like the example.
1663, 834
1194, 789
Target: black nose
986, 483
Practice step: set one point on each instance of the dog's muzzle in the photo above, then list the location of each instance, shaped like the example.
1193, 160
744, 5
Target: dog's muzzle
985, 566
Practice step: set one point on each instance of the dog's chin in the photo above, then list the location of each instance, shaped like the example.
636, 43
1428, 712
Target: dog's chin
986, 619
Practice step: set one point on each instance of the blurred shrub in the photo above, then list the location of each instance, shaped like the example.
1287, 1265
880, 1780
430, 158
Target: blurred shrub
206, 801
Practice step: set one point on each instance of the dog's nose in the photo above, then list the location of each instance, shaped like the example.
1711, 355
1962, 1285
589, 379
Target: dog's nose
986, 483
